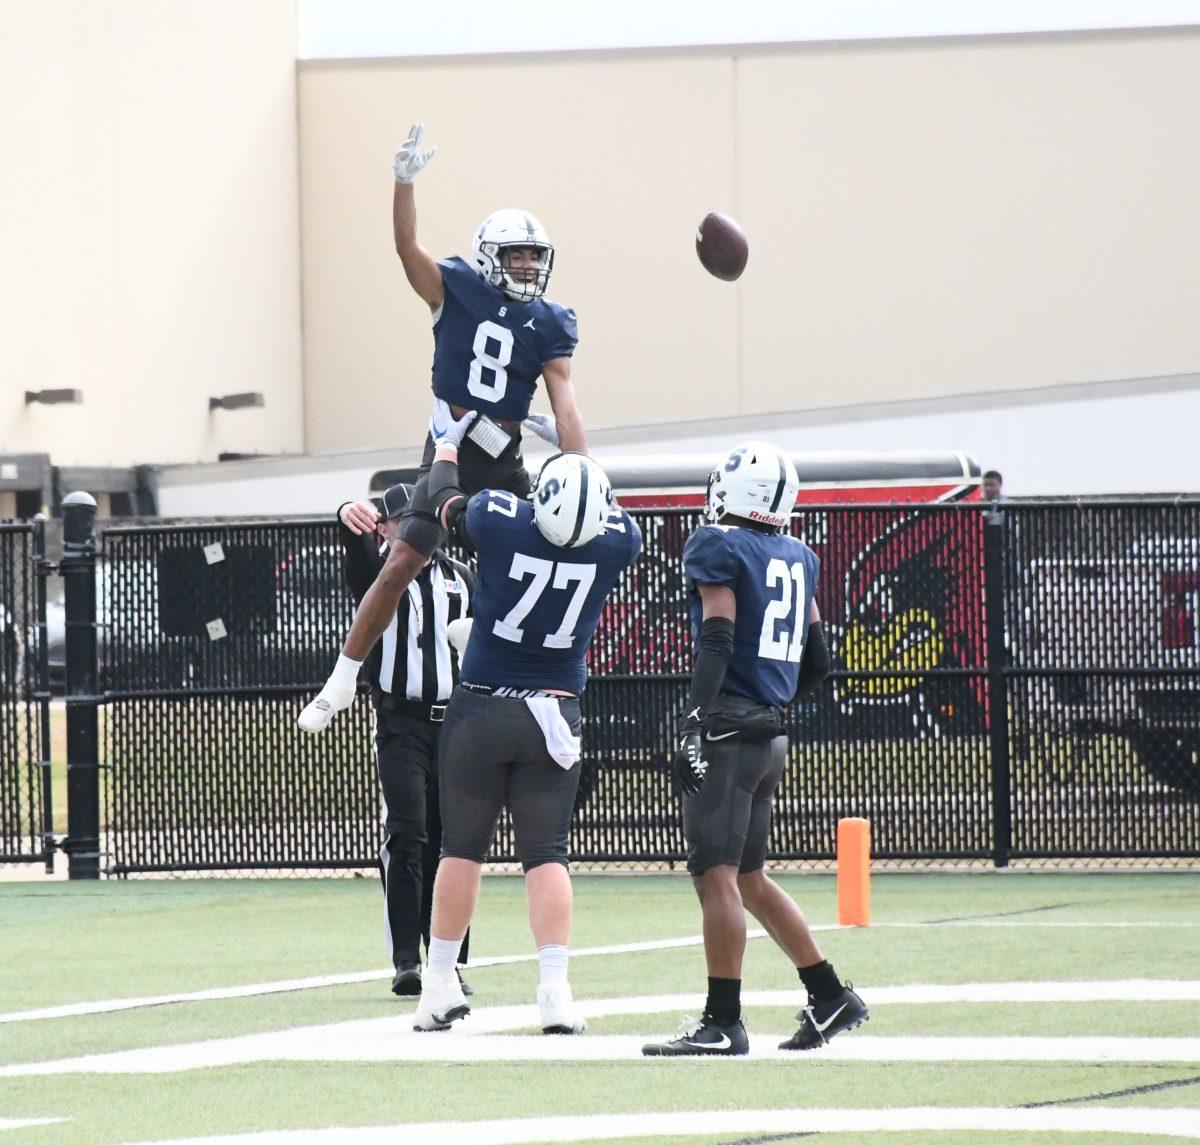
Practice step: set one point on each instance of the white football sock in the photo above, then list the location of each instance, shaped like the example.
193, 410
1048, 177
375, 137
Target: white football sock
443, 953
552, 962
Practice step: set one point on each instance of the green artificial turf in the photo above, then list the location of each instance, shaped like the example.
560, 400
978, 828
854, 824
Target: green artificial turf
73, 942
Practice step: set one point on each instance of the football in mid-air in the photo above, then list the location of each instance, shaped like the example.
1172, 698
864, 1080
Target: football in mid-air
722, 246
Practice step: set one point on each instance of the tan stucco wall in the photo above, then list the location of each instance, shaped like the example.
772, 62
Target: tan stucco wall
933, 217
149, 227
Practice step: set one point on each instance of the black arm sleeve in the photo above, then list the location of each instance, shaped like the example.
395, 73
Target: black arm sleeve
361, 561
815, 664
446, 500
443, 486
712, 659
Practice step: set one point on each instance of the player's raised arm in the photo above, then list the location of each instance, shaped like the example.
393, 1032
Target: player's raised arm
420, 267
567, 418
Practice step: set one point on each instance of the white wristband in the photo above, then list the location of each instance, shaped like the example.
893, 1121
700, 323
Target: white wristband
345, 671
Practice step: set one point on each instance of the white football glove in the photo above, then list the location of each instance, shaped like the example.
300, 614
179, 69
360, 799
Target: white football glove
410, 159
444, 429
337, 695
544, 426
458, 632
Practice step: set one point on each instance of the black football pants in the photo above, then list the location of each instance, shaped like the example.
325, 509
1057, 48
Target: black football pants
406, 753
478, 470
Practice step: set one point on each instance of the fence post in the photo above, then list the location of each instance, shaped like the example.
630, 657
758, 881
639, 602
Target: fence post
997, 660
78, 567
41, 690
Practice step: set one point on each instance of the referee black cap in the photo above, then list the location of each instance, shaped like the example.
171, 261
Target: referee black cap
395, 500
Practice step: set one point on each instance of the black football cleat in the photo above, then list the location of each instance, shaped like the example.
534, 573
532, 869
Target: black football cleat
466, 986
704, 1040
820, 1021
407, 980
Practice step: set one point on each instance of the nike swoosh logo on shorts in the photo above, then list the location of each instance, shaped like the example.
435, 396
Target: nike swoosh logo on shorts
821, 1027
723, 735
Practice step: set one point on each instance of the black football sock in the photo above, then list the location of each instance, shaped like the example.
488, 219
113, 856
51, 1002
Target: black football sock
820, 980
724, 1003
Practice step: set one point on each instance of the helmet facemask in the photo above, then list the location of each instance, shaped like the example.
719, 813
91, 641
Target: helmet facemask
520, 284
714, 499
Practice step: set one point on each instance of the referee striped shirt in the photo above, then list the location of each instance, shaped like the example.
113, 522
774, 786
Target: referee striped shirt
413, 659
416, 659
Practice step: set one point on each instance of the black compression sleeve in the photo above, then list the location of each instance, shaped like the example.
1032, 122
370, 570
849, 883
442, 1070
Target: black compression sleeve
815, 664
443, 485
712, 659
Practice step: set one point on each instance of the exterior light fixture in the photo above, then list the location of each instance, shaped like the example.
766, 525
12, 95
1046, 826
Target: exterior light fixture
237, 401
53, 397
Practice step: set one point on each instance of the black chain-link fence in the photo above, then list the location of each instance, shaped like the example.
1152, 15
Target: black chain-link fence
1104, 678
24, 717
1077, 736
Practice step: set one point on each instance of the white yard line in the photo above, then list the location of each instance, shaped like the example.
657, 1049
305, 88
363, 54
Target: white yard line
321, 981
288, 985
27, 1122
514, 1131
393, 1039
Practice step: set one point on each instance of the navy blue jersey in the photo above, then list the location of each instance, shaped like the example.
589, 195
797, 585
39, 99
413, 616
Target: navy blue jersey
488, 350
536, 605
773, 577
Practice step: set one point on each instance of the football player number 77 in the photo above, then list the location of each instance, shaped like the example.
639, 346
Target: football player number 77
546, 573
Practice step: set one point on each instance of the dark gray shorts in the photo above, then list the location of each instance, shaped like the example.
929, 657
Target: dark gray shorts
729, 821
492, 755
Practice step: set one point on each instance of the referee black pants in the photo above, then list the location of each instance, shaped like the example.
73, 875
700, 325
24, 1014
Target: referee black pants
406, 750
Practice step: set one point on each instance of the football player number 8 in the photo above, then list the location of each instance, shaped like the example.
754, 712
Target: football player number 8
496, 364
785, 643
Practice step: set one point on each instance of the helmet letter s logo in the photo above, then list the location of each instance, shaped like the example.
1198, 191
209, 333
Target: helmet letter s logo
548, 490
735, 459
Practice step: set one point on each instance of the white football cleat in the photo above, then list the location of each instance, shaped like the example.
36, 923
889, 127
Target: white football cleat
558, 1012
442, 1001
333, 698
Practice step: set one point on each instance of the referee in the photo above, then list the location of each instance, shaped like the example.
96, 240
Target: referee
412, 670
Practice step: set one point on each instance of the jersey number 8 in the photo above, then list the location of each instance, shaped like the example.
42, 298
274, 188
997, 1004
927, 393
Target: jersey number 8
497, 363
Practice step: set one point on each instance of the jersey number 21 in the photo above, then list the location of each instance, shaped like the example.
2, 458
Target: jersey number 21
780, 640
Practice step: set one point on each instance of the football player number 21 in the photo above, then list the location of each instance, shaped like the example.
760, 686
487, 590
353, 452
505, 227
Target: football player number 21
490, 387
780, 640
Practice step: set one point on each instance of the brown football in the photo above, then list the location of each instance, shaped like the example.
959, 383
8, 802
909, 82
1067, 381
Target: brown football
722, 247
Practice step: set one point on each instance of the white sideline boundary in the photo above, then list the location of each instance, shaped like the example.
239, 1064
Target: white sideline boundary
610, 1126
29, 1122
321, 981
393, 1039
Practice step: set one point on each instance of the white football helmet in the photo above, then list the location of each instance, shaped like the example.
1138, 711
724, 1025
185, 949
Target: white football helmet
757, 482
512, 228
572, 500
